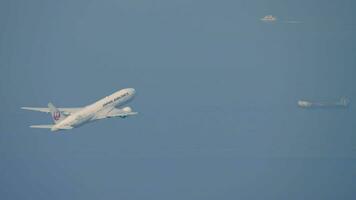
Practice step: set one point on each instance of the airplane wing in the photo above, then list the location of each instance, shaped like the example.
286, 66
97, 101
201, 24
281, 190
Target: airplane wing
115, 113
66, 111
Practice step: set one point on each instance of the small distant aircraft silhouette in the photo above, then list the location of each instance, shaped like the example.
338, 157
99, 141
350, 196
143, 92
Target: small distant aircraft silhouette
268, 18
343, 102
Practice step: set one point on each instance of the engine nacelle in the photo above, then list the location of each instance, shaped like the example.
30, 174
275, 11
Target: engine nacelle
127, 109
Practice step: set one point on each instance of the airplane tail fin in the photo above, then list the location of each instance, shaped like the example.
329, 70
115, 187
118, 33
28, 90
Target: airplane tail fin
57, 115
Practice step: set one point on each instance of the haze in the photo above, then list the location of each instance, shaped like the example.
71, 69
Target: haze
216, 92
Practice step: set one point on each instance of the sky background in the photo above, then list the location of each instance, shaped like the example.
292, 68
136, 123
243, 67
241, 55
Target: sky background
216, 92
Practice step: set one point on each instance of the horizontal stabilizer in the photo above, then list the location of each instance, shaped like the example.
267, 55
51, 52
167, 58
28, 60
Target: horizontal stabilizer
46, 110
48, 126
66, 111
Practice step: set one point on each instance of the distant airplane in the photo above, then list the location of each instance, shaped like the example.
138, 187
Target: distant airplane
68, 118
343, 102
268, 18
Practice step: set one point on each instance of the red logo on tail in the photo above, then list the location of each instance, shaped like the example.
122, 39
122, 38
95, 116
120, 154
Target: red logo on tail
56, 115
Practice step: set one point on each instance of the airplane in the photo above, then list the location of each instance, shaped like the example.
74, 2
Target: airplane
343, 102
107, 107
269, 18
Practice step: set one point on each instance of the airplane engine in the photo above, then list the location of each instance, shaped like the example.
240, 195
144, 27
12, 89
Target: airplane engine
127, 109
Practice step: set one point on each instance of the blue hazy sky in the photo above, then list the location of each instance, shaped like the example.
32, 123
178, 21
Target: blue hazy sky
216, 91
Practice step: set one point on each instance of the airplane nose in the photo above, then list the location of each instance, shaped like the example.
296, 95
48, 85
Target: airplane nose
132, 91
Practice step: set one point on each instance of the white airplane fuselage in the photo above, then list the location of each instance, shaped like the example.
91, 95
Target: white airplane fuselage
92, 112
